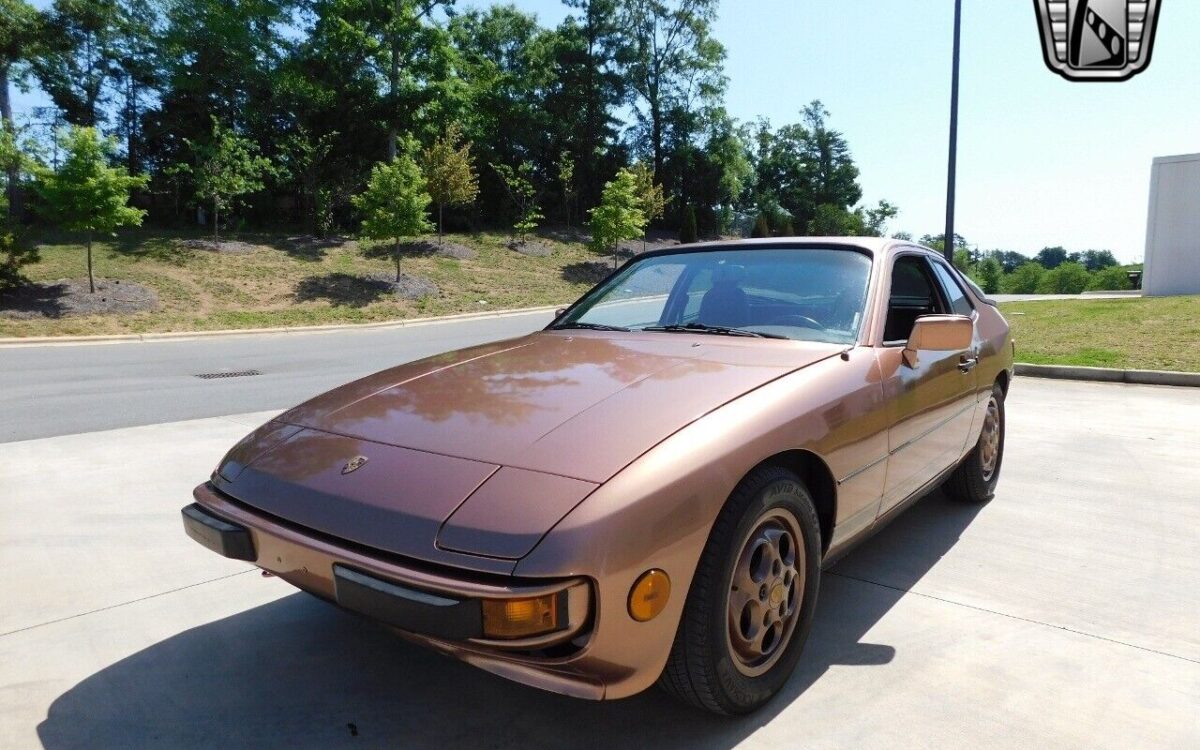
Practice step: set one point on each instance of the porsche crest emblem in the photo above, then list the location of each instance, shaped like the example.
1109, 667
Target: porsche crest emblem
354, 464
1097, 40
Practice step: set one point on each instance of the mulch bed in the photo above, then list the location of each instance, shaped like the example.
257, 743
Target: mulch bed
71, 298
446, 249
225, 247
532, 248
408, 287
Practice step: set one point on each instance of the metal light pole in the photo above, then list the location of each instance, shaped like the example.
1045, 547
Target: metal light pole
948, 237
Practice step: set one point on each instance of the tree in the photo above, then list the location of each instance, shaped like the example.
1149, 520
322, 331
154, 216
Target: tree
521, 191
227, 167
1067, 278
1051, 257
1024, 280
874, 220
395, 203
86, 194
450, 172
78, 58
988, 272
1096, 260
620, 215
688, 232
566, 182
761, 228
1008, 259
19, 30
938, 242
673, 61
650, 196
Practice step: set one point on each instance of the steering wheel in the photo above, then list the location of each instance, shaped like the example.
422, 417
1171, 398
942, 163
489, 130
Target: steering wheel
797, 320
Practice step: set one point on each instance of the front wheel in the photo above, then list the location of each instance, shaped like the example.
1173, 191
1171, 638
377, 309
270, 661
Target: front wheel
752, 599
975, 479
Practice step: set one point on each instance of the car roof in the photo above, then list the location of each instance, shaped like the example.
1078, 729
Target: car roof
877, 246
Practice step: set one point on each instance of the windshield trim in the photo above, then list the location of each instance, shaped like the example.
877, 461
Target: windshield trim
737, 245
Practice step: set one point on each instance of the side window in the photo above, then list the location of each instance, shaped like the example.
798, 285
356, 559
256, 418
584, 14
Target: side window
912, 295
959, 304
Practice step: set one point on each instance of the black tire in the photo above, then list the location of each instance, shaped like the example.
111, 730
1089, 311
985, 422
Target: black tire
971, 482
701, 669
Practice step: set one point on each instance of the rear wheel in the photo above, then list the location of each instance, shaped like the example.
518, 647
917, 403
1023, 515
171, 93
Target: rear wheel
975, 479
752, 599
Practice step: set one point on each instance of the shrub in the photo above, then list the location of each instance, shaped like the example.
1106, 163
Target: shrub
1067, 278
760, 227
1024, 280
1110, 279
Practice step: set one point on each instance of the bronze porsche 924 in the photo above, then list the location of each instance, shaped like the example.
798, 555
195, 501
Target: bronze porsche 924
647, 490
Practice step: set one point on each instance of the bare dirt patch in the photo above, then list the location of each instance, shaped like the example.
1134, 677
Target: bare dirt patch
71, 297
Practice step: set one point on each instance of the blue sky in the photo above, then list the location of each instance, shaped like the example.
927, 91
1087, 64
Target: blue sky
1042, 161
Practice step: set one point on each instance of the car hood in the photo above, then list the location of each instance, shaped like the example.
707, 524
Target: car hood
480, 452
580, 406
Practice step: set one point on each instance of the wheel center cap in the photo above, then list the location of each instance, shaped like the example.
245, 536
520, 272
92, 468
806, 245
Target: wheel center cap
777, 594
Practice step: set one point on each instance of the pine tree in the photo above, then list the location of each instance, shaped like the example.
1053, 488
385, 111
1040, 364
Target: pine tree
688, 233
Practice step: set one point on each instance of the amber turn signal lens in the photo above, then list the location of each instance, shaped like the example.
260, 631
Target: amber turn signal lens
649, 595
520, 618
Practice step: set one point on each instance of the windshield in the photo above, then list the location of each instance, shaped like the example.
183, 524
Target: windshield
810, 294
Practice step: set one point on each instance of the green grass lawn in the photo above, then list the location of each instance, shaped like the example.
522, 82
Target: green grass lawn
278, 284
1156, 333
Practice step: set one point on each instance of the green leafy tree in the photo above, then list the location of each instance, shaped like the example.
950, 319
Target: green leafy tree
1096, 260
1112, 278
988, 273
78, 57
831, 220
874, 220
450, 172
227, 167
1023, 280
650, 194
688, 232
1051, 257
19, 31
672, 62
86, 194
395, 204
519, 185
566, 183
621, 213
1067, 278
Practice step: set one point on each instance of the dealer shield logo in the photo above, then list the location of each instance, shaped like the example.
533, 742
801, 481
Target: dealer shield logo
354, 464
1097, 40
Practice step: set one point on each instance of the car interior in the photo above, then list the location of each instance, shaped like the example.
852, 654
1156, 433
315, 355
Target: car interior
914, 293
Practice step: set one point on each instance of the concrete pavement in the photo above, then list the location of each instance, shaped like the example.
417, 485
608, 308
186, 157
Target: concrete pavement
1063, 614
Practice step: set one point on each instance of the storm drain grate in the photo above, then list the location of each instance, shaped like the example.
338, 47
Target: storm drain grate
216, 375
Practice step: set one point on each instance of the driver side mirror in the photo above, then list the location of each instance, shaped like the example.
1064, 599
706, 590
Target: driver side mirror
938, 333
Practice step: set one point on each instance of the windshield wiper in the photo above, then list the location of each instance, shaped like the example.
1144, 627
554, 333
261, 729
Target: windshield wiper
718, 330
591, 327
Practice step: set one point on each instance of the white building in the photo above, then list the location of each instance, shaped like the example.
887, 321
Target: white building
1173, 227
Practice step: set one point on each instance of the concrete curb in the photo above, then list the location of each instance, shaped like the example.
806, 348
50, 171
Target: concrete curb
1109, 375
125, 338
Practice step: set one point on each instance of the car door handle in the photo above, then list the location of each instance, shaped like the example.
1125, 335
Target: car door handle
967, 363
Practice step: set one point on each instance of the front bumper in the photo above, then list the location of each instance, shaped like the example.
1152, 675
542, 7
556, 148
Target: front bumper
430, 607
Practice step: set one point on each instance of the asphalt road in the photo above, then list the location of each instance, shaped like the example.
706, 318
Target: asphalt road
1060, 615
62, 390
